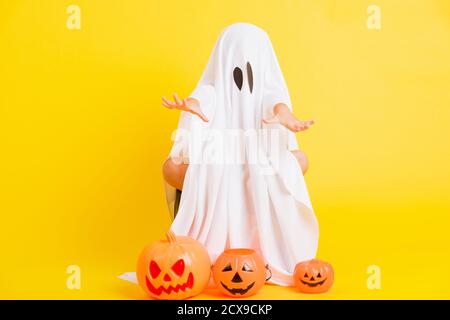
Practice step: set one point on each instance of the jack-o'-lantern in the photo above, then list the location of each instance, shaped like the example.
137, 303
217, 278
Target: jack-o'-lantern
174, 268
239, 272
313, 276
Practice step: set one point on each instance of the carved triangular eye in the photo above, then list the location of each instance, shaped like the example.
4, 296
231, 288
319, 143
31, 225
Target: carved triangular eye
246, 268
250, 76
238, 77
305, 275
178, 267
227, 268
319, 275
155, 270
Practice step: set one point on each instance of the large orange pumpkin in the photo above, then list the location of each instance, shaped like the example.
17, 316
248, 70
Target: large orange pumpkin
175, 268
239, 272
313, 276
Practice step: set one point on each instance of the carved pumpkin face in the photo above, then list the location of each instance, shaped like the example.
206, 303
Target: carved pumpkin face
239, 272
313, 276
175, 268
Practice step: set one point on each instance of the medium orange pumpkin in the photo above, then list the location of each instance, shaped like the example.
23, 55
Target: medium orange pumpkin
239, 272
313, 276
175, 268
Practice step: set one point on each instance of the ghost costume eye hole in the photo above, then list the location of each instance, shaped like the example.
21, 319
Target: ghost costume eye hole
238, 77
250, 76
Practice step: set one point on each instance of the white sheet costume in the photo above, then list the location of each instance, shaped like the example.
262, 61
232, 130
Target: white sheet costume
229, 199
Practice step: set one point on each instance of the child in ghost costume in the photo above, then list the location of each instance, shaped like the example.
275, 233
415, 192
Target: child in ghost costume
237, 202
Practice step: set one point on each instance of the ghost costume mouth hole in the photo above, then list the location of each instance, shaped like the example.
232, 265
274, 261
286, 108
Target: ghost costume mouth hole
236, 291
183, 287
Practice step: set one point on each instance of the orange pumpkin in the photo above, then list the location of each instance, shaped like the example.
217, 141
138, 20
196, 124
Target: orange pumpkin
239, 272
175, 268
313, 276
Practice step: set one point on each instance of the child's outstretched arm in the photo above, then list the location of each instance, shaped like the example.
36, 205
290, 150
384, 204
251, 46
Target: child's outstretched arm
189, 105
285, 117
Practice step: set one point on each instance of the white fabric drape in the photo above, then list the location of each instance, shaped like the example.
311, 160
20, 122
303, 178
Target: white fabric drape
231, 201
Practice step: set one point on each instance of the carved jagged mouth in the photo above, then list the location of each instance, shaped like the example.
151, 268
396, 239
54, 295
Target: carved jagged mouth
183, 287
314, 284
238, 290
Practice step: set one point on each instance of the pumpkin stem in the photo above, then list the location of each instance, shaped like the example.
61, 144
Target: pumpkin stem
171, 238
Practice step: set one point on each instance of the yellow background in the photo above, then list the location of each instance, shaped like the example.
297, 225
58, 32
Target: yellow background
83, 136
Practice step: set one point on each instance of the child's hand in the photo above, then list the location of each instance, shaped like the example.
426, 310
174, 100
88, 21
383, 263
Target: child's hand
190, 105
285, 117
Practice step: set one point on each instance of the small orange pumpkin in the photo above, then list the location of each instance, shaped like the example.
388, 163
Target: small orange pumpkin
239, 272
175, 268
313, 276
